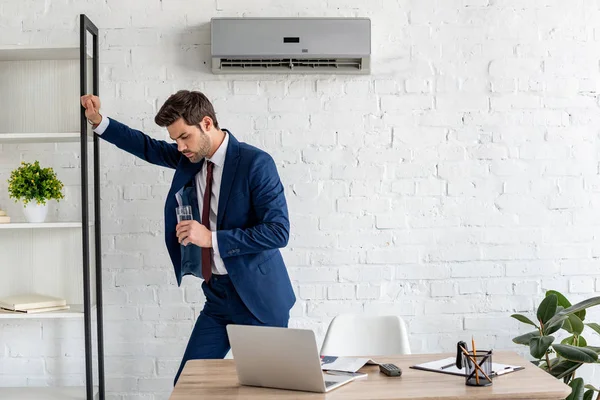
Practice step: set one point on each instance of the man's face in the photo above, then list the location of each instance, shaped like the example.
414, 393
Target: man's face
192, 141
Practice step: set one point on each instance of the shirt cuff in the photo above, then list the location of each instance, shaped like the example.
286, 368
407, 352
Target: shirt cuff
215, 245
102, 126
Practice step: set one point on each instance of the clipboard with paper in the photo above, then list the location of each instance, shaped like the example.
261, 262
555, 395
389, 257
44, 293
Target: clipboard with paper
448, 366
454, 366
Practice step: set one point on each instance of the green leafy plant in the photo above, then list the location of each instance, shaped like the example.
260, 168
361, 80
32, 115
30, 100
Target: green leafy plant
562, 359
30, 182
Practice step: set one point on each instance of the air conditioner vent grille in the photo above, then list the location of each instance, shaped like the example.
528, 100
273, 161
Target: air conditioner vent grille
314, 64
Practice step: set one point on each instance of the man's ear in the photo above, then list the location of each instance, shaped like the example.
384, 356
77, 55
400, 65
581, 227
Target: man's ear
207, 124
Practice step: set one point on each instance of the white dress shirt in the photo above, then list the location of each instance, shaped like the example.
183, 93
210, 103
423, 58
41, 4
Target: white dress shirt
218, 159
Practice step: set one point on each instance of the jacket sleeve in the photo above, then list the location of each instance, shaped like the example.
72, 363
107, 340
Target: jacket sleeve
270, 206
135, 142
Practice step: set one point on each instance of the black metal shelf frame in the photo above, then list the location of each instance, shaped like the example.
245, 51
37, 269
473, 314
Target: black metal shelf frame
86, 26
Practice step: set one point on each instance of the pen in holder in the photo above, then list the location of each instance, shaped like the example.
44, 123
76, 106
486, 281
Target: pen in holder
477, 374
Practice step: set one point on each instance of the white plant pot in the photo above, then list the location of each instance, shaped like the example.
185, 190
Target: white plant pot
35, 213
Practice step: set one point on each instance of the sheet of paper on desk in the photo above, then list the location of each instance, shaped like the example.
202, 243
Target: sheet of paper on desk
448, 366
346, 364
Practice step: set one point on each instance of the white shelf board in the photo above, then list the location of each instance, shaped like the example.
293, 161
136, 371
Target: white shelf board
26, 53
76, 311
45, 393
40, 137
44, 225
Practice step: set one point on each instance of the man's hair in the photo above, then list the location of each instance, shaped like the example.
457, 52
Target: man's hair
190, 105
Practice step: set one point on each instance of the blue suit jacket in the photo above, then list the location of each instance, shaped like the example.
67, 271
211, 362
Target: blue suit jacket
252, 218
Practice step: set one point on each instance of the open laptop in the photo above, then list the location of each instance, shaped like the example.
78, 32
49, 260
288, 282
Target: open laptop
282, 358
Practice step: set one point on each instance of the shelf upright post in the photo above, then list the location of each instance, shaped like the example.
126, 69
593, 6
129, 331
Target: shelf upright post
87, 26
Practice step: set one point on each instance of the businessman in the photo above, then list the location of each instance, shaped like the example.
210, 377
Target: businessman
240, 217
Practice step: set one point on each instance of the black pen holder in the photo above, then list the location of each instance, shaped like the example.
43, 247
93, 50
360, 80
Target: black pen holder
481, 376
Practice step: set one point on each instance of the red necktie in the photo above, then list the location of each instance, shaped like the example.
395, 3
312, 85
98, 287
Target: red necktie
206, 264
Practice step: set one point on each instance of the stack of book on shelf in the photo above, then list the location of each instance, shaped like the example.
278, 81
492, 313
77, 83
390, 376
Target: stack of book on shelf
32, 303
4, 219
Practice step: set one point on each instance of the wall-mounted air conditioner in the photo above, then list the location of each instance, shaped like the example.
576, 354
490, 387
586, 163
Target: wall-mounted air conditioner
291, 45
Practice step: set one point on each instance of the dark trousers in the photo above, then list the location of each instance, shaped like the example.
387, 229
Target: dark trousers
223, 306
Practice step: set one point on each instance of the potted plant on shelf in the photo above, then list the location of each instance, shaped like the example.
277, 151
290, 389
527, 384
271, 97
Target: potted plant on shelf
561, 360
34, 186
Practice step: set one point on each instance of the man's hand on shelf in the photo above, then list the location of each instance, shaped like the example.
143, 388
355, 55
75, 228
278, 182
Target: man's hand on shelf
91, 104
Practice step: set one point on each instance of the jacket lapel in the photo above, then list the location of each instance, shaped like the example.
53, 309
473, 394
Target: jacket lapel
229, 172
185, 173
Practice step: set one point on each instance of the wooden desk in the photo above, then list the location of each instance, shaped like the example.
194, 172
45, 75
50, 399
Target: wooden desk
217, 379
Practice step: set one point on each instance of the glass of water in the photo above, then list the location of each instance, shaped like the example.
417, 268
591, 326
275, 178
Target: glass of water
184, 213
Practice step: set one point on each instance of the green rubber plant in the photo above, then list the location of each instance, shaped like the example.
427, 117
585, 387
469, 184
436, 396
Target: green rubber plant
562, 359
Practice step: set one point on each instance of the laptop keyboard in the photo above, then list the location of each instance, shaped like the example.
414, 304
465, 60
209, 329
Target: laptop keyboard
329, 383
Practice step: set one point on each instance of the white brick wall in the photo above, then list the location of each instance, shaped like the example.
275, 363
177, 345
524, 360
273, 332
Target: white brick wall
453, 186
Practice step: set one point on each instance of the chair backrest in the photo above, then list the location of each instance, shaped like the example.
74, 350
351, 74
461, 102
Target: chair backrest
361, 335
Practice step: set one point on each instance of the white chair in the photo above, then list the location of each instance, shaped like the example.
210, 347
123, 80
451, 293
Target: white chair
361, 335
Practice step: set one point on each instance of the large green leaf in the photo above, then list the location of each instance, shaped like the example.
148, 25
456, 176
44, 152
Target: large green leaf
588, 386
524, 339
594, 349
547, 308
543, 364
573, 324
595, 327
577, 354
564, 368
557, 360
582, 305
567, 340
588, 395
581, 342
563, 302
523, 319
554, 363
576, 389
539, 345
550, 329
555, 323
